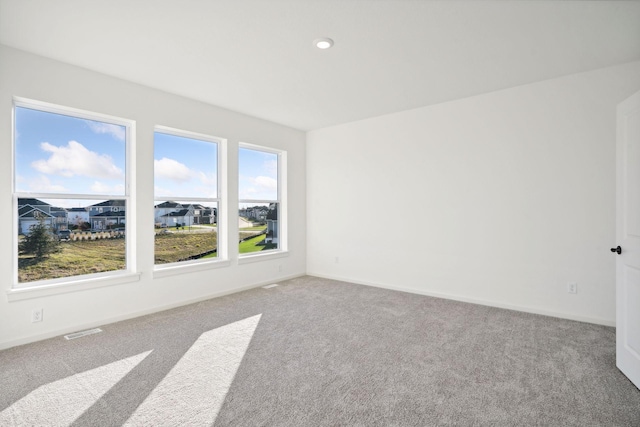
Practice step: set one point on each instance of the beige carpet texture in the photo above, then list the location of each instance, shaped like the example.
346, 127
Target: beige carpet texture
318, 352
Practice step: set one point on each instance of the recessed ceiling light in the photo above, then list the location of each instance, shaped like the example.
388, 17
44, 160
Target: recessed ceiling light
323, 43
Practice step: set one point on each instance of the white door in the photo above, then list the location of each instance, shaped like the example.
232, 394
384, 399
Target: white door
628, 235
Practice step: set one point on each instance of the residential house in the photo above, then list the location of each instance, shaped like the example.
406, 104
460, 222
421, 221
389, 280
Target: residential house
107, 215
272, 224
31, 212
257, 213
203, 214
182, 217
39, 204
60, 218
170, 213
161, 211
77, 216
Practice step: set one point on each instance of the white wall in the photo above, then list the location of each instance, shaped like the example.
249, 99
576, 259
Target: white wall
501, 198
41, 79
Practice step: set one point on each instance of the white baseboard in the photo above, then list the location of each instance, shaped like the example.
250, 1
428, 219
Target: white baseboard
479, 301
58, 332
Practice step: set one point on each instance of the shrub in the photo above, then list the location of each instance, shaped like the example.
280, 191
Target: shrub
40, 241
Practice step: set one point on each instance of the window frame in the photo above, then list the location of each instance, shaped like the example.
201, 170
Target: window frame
179, 267
38, 288
281, 200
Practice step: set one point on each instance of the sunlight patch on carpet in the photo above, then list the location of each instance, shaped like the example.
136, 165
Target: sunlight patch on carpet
61, 402
193, 391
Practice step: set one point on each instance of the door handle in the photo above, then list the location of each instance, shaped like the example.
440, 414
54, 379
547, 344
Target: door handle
618, 250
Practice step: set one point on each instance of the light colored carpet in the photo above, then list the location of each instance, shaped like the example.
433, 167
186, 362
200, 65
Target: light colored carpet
319, 352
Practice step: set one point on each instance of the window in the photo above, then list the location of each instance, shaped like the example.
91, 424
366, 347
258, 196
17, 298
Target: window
261, 208
186, 196
70, 171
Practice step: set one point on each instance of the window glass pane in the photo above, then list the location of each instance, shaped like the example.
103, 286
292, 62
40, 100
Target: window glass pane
61, 154
69, 237
185, 167
258, 226
185, 231
258, 178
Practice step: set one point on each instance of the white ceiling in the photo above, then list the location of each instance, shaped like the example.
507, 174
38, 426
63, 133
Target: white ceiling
256, 57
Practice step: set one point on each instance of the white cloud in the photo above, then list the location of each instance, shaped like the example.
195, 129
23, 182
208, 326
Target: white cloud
118, 132
259, 187
102, 188
206, 191
76, 160
172, 170
208, 179
248, 193
164, 192
42, 184
266, 183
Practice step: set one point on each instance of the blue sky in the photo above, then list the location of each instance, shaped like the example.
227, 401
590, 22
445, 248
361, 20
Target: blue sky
258, 172
184, 167
68, 155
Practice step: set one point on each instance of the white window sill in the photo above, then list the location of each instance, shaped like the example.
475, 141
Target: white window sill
188, 267
245, 259
83, 284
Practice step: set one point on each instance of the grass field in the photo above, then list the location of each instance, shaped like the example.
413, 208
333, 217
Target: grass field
256, 244
97, 256
246, 234
87, 257
173, 247
74, 259
256, 228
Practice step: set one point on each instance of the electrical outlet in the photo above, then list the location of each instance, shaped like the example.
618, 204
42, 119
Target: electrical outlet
337, 260
36, 315
572, 287
280, 268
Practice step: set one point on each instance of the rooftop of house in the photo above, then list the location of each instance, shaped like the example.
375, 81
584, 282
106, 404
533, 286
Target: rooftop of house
110, 203
32, 202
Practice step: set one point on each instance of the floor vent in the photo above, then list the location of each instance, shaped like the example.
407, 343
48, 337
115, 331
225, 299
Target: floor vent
270, 286
75, 335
